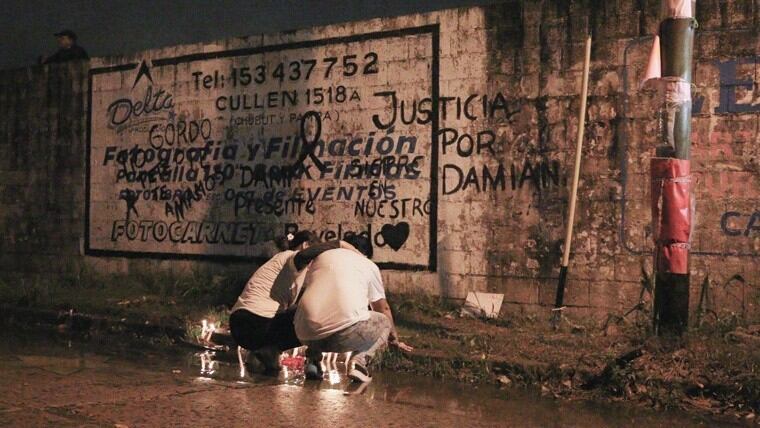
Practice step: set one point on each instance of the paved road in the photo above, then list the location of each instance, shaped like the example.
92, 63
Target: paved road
45, 384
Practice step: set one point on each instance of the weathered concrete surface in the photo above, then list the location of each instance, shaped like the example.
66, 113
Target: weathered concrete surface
56, 386
500, 206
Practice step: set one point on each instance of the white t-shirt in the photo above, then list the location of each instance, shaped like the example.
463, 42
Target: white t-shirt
256, 297
339, 286
288, 284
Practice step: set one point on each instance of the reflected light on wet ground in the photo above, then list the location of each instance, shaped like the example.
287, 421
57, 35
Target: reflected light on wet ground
120, 381
208, 364
334, 366
406, 389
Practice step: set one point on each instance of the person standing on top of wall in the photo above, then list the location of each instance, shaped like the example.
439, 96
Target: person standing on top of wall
333, 315
68, 49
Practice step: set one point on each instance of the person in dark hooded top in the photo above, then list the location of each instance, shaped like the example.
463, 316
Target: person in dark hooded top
68, 49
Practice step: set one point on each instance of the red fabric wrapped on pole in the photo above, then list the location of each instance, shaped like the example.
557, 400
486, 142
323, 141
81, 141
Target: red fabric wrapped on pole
671, 213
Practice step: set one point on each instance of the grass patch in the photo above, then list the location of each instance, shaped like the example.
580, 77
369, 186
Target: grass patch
154, 296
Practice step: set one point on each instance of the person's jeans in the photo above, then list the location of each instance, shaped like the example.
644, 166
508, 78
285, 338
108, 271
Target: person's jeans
364, 339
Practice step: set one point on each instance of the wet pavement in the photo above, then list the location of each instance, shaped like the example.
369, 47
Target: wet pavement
61, 382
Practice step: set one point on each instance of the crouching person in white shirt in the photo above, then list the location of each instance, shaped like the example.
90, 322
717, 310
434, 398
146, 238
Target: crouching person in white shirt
259, 322
333, 315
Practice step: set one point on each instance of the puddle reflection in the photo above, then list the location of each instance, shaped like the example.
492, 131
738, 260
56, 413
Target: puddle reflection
123, 359
242, 367
208, 364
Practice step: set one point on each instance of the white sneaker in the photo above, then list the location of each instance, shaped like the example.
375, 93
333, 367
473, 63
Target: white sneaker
358, 372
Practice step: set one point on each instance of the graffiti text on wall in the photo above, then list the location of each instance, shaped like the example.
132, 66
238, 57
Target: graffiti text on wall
734, 223
737, 86
217, 154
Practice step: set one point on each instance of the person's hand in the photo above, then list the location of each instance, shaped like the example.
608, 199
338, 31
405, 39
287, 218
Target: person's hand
401, 345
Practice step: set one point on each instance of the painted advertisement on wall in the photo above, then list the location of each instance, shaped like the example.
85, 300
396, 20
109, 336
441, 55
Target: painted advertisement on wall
217, 154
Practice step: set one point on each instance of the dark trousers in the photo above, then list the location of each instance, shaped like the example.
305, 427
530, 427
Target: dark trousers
254, 332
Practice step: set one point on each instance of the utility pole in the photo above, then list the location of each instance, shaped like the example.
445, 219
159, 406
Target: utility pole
670, 169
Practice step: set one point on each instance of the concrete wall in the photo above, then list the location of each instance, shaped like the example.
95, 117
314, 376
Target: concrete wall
484, 179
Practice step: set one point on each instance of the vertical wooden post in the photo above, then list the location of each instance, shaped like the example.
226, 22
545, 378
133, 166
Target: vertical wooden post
559, 301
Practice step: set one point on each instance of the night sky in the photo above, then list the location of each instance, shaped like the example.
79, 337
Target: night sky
113, 27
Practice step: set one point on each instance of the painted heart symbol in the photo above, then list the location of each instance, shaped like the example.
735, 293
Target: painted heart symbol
395, 235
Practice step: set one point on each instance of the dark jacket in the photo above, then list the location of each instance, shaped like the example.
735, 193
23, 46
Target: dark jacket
73, 53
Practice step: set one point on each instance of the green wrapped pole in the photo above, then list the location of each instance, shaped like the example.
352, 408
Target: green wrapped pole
671, 196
